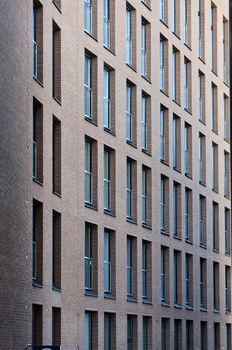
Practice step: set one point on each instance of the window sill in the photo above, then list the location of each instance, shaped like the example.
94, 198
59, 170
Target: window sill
214, 72
202, 183
163, 232
90, 206
215, 190
147, 226
109, 131
131, 143
165, 304
57, 194
201, 59
187, 110
176, 102
216, 311
91, 35
107, 212
131, 67
109, 296
188, 46
189, 307
226, 83
177, 306
57, 100
188, 176
90, 293
187, 240
176, 34
215, 131
146, 78
164, 23
203, 309
227, 140
227, 312
164, 92
131, 299
90, 120
57, 6
146, 152
201, 121
176, 169
131, 221
109, 49
216, 251
56, 289
163, 161
38, 81
147, 6
146, 301
177, 237
227, 254
203, 246
36, 284
37, 181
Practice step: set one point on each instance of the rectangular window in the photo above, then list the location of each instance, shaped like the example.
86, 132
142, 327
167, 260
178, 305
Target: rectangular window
227, 289
187, 85
216, 294
131, 189
226, 174
56, 251
188, 215
91, 258
176, 143
37, 143
37, 243
56, 326
202, 221
146, 195
107, 102
109, 24
146, 123
37, 325
131, 267
164, 274
132, 332
189, 280
88, 16
56, 159
203, 283
164, 204
146, 271
215, 227
88, 87
56, 62
91, 330
175, 75
189, 335
225, 49
176, 16
214, 108
202, 160
177, 277
109, 331
217, 341
213, 37
204, 335
109, 262
177, 334
147, 332
145, 49
90, 172
130, 36
109, 180
164, 11
187, 22
201, 97
214, 167
201, 28
227, 231
228, 336
177, 210
164, 135
131, 123
165, 333
226, 114
164, 64
37, 41
188, 149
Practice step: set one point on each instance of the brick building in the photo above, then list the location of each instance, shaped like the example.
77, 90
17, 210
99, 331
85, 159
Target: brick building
115, 204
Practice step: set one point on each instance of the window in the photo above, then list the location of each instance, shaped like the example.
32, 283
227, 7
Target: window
90, 172
227, 231
132, 332
217, 340
177, 277
56, 251
164, 11
109, 180
225, 50
226, 118
146, 123
107, 102
214, 167
146, 196
187, 85
37, 325
204, 335
91, 258
177, 334
37, 243
226, 174
37, 144
176, 16
175, 75
37, 41
214, 108
213, 37
164, 135
176, 210
188, 215
227, 289
56, 61
201, 97
90, 330
109, 263
203, 284
164, 65
56, 161
147, 332
202, 168
145, 49
189, 335
188, 150
164, 274
164, 204
202, 220
216, 296
108, 24
130, 36
146, 271
187, 22
165, 333
201, 28
56, 326
131, 190
131, 124
88, 87
131, 267
109, 331
215, 227
88, 16
176, 143
228, 336
189, 280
